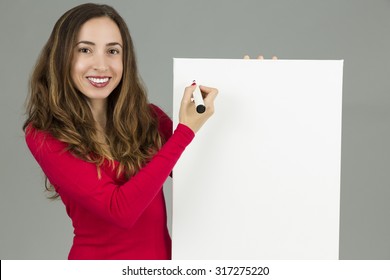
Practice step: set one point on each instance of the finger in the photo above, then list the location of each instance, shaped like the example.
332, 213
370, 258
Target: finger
274, 57
246, 57
260, 57
206, 90
210, 93
188, 91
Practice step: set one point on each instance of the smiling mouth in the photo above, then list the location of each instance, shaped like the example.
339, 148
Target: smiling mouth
99, 82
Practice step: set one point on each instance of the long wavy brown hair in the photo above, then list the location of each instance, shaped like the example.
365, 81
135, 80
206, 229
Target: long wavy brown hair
57, 106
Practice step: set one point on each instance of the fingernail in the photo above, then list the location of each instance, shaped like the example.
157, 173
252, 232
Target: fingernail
193, 83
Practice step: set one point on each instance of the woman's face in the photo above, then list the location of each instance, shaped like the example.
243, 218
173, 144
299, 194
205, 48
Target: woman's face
97, 64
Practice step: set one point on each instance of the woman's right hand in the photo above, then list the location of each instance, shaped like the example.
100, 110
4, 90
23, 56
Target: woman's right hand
188, 114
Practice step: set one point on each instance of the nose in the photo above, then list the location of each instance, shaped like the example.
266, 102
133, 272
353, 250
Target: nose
100, 63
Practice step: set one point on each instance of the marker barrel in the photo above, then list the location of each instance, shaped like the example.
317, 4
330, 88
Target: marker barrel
198, 99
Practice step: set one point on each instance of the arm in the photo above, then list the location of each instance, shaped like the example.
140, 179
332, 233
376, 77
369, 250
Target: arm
120, 204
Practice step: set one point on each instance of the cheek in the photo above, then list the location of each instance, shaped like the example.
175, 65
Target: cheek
119, 68
78, 69
77, 73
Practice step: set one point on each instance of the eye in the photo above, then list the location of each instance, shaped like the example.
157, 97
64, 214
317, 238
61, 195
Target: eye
113, 51
84, 50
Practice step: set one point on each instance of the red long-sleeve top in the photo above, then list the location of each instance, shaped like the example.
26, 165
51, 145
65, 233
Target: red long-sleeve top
113, 218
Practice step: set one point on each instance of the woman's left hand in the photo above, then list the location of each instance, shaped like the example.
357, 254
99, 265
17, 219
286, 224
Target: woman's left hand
260, 57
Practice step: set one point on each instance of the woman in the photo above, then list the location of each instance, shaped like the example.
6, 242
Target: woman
105, 151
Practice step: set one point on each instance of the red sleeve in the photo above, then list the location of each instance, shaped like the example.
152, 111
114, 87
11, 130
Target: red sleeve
78, 179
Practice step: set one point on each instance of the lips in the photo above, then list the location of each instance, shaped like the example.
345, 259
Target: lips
98, 82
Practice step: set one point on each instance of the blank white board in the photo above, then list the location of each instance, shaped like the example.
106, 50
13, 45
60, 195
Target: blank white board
261, 180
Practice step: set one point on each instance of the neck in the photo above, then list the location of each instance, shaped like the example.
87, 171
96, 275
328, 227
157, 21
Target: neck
99, 109
99, 113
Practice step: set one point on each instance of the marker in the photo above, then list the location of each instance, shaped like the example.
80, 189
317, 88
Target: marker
198, 99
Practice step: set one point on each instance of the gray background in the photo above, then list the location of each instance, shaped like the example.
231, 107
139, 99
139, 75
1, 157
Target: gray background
32, 227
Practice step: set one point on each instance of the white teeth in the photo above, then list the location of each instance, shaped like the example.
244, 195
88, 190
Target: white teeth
98, 81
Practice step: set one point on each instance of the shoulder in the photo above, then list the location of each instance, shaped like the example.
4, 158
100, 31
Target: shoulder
40, 140
164, 121
158, 112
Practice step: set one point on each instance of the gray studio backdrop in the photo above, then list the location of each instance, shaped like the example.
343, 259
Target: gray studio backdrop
32, 227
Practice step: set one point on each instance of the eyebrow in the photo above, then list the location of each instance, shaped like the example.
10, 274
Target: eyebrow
93, 44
